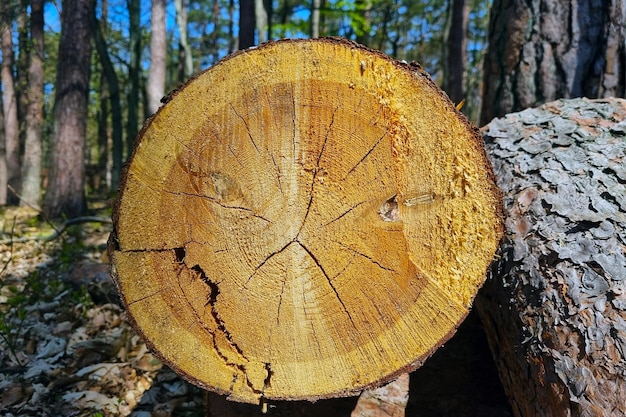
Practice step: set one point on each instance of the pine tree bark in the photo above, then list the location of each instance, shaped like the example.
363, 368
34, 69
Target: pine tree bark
541, 50
65, 192
304, 220
554, 306
11, 123
31, 163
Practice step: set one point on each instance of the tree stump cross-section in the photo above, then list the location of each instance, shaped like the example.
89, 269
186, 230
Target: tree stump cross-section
303, 220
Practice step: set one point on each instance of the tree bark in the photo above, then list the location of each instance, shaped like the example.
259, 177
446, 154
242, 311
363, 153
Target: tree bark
260, 18
31, 163
456, 51
134, 70
554, 306
11, 123
246, 24
3, 157
185, 48
155, 87
302, 224
114, 98
65, 193
541, 50
315, 18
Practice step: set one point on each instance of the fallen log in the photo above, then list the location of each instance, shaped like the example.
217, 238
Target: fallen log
304, 220
554, 306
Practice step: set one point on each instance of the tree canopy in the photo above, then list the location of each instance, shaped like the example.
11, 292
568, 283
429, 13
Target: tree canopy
449, 38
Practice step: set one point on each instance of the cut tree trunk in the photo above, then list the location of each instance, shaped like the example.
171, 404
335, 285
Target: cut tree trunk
302, 221
555, 305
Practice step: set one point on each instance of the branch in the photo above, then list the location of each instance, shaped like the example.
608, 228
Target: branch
58, 232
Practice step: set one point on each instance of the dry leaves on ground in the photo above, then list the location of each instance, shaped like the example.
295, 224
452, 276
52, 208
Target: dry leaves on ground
66, 348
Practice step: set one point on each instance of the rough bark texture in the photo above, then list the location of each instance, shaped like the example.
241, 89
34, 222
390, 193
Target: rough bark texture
555, 303
304, 220
541, 50
65, 193
31, 163
155, 85
11, 125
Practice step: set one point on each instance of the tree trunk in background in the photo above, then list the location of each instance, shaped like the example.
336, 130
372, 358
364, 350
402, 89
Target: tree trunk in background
554, 307
31, 163
185, 48
246, 24
134, 69
114, 99
3, 157
315, 19
22, 66
541, 50
11, 123
155, 86
456, 51
232, 41
104, 167
260, 17
65, 193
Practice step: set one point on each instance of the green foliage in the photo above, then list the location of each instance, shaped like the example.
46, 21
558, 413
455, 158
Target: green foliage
406, 30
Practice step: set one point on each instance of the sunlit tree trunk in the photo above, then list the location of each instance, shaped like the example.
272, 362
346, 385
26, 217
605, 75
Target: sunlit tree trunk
260, 16
11, 124
134, 46
31, 163
181, 22
65, 193
315, 19
155, 87
541, 50
456, 44
246, 24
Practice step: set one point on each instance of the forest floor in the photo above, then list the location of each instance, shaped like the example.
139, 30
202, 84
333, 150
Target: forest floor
66, 348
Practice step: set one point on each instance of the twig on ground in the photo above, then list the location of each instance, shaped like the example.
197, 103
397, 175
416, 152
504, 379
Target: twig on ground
57, 231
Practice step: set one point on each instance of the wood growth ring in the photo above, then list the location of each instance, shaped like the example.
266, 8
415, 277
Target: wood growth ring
303, 220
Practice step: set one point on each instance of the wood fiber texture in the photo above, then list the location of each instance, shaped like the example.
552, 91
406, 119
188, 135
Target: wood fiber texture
304, 220
554, 306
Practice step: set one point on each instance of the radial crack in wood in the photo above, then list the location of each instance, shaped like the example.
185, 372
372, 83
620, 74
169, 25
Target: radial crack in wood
303, 220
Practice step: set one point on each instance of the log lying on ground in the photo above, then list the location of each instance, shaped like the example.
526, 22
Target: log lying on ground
555, 305
303, 220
